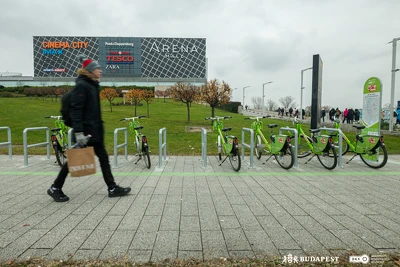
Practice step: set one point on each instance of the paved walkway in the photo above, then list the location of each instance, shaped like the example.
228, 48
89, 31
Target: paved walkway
183, 210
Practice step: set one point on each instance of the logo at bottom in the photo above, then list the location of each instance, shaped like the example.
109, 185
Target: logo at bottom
359, 259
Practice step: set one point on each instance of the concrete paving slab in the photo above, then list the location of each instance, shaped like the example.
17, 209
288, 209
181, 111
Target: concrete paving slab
185, 211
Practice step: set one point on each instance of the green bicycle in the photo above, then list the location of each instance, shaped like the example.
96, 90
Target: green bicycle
371, 148
226, 143
320, 145
279, 147
59, 139
140, 140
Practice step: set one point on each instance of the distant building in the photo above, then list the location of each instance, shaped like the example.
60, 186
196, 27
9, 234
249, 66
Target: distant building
142, 61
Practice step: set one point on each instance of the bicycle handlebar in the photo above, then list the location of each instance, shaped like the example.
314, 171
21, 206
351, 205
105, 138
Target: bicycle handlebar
53, 117
218, 118
256, 118
132, 118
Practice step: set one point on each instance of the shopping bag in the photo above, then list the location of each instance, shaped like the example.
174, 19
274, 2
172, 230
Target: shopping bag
81, 161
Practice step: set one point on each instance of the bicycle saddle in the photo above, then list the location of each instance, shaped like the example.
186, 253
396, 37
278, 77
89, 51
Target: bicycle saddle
314, 130
359, 127
139, 127
226, 129
272, 125
55, 129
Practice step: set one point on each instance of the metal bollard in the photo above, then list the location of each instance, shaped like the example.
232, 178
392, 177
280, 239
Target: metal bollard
8, 143
116, 146
204, 147
296, 142
340, 163
251, 146
26, 146
162, 145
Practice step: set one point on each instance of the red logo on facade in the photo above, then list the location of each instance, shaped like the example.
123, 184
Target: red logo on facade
372, 87
120, 58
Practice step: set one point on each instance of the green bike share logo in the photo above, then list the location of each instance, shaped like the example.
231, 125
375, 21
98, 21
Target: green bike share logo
372, 100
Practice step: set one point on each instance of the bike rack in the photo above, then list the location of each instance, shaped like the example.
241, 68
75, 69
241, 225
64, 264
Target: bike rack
251, 146
116, 146
340, 164
70, 137
8, 143
162, 145
296, 142
26, 146
204, 147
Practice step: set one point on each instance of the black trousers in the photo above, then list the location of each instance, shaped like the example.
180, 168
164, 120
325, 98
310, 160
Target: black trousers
101, 153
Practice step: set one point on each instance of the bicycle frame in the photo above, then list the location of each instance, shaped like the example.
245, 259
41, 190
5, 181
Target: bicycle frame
227, 144
359, 146
59, 138
319, 143
141, 143
274, 147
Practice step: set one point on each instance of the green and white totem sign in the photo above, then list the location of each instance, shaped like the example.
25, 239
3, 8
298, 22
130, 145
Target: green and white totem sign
372, 103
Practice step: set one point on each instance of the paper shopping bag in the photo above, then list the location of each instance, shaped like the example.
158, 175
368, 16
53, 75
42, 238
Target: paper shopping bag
81, 161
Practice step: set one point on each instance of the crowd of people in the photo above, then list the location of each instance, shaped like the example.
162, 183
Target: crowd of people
348, 115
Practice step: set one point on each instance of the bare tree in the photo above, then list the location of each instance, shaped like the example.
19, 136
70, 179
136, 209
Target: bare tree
162, 93
287, 101
215, 94
271, 105
185, 93
257, 102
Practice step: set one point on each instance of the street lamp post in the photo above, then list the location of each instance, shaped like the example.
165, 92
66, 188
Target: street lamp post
394, 70
301, 93
243, 93
264, 97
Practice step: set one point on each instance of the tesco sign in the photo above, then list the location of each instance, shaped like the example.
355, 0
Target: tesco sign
120, 59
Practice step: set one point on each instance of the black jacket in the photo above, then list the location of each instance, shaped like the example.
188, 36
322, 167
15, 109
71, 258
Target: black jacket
85, 108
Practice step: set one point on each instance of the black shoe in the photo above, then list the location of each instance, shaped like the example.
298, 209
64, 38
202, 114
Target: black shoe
57, 194
118, 191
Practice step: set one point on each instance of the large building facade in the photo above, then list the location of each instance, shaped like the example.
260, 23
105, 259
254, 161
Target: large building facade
124, 60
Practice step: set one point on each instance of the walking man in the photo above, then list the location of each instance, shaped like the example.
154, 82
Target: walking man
86, 119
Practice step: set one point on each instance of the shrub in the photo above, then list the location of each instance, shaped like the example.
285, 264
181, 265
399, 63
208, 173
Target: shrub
6, 94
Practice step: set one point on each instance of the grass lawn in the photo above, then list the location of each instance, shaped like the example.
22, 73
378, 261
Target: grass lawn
21, 113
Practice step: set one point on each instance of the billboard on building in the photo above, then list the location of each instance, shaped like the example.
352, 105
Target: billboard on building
121, 56
58, 56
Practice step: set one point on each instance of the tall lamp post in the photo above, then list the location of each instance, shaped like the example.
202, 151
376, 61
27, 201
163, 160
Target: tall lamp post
301, 94
243, 93
394, 70
264, 97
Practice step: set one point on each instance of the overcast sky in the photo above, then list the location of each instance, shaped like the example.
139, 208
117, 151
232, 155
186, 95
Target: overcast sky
249, 42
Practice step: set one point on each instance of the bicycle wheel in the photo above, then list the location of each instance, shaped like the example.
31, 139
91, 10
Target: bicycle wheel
328, 158
60, 155
234, 159
375, 162
146, 157
303, 149
219, 146
345, 146
285, 158
258, 148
